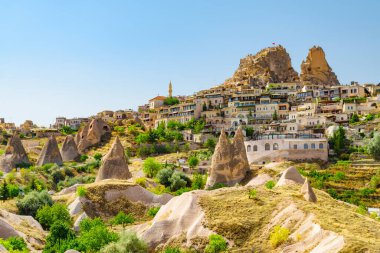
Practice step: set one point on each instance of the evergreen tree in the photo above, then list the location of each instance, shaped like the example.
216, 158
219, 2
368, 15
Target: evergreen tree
4, 193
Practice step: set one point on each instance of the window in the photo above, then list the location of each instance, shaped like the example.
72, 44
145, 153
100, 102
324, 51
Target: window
255, 148
275, 146
295, 146
313, 146
249, 148
305, 146
267, 146
320, 145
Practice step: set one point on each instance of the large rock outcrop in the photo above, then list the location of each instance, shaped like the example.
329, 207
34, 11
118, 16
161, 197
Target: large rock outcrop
92, 134
229, 163
272, 64
14, 155
316, 70
69, 150
50, 153
114, 163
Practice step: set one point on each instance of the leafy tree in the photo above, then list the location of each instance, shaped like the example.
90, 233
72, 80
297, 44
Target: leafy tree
193, 161
48, 215
216, 244
60, 238
177, 181
94, 234
83, 158
354, 118
4, 193
374, 146
210, 144
151, 167
123, 219
171, 101
33, 201
275, 115
127, 243
339, 141
66, 130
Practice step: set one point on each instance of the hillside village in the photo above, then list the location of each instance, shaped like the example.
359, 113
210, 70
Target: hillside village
271, 160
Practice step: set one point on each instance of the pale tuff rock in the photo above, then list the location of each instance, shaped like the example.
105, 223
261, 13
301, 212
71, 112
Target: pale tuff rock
259, 180
114, 164
69, 150
50, 153
14, 155
229, 163
91, 134
181, 215
308, 192
290, 176
316, 70
272, 64
78, 220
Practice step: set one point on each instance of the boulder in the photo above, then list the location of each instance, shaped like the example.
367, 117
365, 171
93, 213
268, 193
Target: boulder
72, 251
272, 64
50, 153
290, 176
75, 207
7, 230
92, 134
259, 180
69, 150
14, 155
114, 163
70, 189
308, 192
316, 70
78, 220
229, 163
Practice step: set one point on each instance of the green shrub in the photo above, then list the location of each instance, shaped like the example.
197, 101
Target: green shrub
179, 180
164, 176
83, 158
181, 191
278, 236
217, 186
57, 176
270, 184
210, 144
122, 219
153, 211
48, 215
1, 173
141, 181
14, 244
172, 250
193, 161
374, 146
60, 238
216, 244
127, 243
81, 191
362, 210
33, 201
199, 182
252, 194
151, 167
98, 156
13, 190
339, 176
375, 181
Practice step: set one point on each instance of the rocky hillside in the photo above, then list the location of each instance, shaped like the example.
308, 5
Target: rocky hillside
316, 70
272, 64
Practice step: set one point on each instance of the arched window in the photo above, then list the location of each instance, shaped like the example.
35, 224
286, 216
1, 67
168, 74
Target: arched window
267, 146
254, 147
305, 146
313, 146
275, 146
249, 148
320, 145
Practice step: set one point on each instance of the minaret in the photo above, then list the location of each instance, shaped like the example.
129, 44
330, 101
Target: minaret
170, 89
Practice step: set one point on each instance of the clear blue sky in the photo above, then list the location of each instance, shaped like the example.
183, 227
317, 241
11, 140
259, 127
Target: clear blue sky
75, 58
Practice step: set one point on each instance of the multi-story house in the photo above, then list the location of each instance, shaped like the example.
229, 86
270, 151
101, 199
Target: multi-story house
182, 112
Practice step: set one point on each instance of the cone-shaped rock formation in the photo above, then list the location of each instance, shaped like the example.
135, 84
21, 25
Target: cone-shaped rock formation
50, 153
229, 163
290, 176
308, 192
91, 134
316, 70
69, 150
14, 155
114, 163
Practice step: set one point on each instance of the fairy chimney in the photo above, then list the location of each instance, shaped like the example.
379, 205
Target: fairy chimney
14, 155
69, 150
50, 153
308, 192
